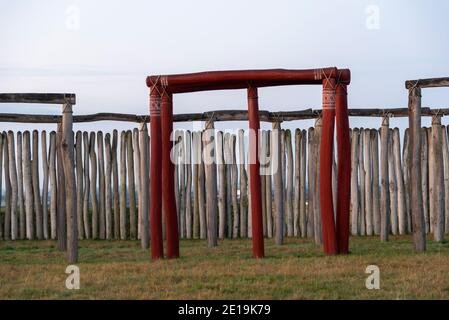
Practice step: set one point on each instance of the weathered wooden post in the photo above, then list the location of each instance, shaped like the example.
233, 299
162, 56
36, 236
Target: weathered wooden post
145, 182
67, 146
302, 186
22, 221
354, 182
101, 187
425, 177
123, 214
243, 187
36, 185
221, 168
115, 188
93, 185
211, 183
131, 186
393, 185
278, 182
384, 191
108, 187
86, 194
45, 183
188, 190
416, 205
375, 176
402, 218
13, 178
289, 183
368, 182
310, 183
79, 182
28, 185
437, 187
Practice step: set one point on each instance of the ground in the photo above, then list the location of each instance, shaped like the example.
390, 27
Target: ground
296, 270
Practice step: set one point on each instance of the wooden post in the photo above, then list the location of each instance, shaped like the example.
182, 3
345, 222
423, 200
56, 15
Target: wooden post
168, 188
437, 187
310, 183
61, 205
115, 182
7, 216
196, 145
393, 185
1, 182
302, 186
201, 189
243, 187
256, 198
136, 157
445, 175
354, 182
188, 190
53, 185
93, 185
234, 186
221, 169
13, 178
406, 172
316, 176
330, 245
268, 186
414, 105
446, 178
402, 218
101, 187
384, 182
36, 185
296, 201
362, 177
68, 161
375, 179
156, 175
45, 184
123, 213
22, 220
86, 216
182, 184
431, 180
344, 168
145, 182
368, 183
228, 163
131, 186
262, 161
425, 177
211, 183
108, 188
79, 182
28, 185
289, 178
278, 183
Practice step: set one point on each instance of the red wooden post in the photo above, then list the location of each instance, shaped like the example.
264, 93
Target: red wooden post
326, 159
256, 198
156, 177
344, 167
168, 186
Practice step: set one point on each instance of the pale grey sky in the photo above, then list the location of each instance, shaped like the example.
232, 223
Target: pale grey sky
103, 50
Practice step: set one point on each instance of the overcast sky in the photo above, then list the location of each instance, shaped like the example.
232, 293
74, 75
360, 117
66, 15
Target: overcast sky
103, 50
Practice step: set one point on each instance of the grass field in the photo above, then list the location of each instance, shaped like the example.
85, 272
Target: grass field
297, 270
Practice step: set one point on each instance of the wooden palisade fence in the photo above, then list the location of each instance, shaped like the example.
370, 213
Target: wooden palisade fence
107, 187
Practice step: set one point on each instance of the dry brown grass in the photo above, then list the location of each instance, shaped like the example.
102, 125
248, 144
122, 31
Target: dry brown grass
297, 270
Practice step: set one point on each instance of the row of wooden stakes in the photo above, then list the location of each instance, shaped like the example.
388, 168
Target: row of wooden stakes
112, 199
